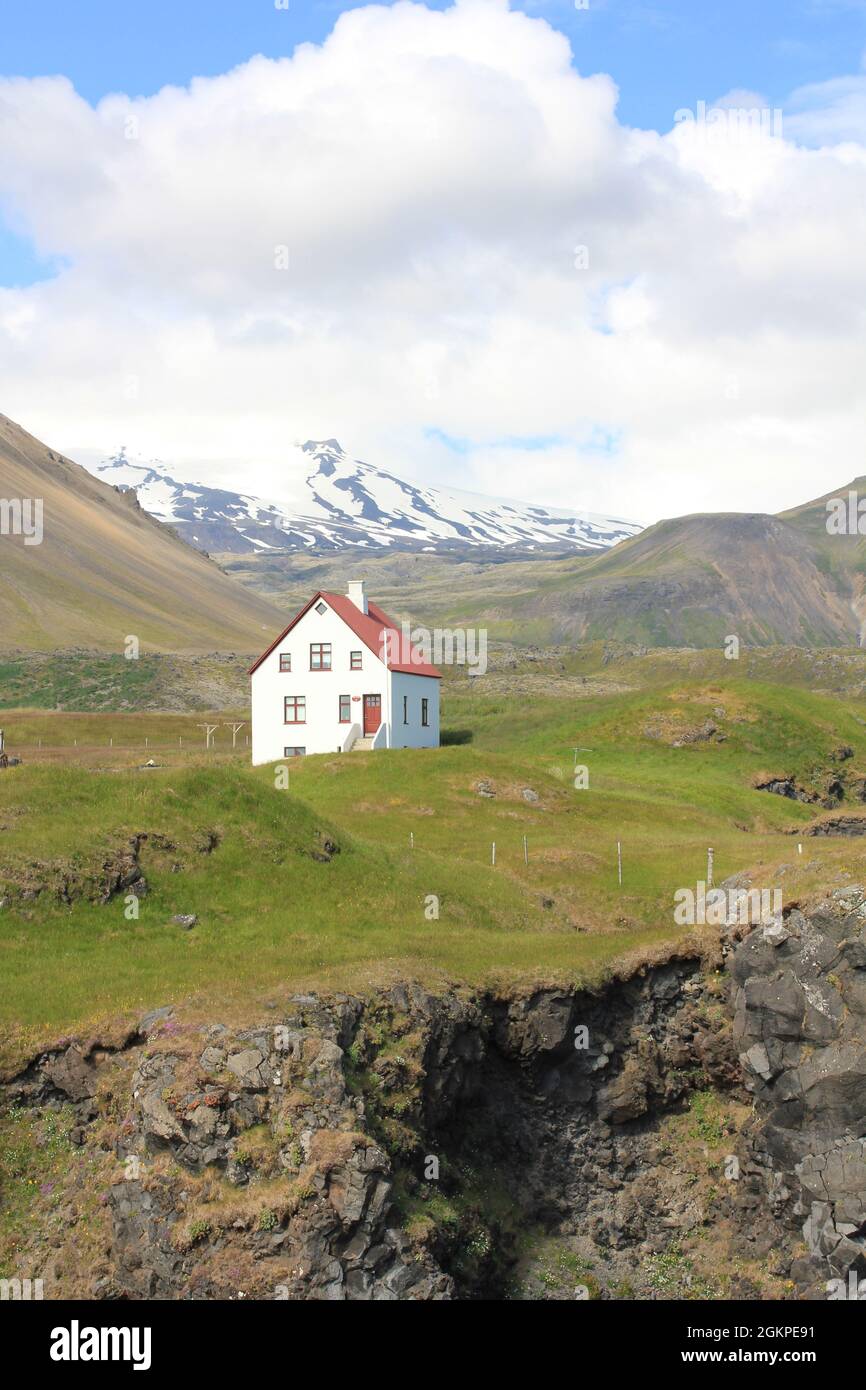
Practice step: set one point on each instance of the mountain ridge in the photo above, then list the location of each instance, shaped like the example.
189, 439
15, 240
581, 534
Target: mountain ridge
335, 502
105, 570
694, 580
684, 582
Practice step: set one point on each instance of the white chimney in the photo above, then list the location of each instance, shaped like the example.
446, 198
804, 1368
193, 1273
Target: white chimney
357, 594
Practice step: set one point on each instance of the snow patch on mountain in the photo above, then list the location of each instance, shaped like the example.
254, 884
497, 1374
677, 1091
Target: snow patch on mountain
330, 502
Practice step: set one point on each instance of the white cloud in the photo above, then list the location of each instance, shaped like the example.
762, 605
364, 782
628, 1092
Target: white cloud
830, 113
430, 175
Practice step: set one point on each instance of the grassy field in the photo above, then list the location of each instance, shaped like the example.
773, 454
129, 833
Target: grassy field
279, 910
94, 681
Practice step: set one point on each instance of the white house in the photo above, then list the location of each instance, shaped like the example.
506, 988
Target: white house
342, 676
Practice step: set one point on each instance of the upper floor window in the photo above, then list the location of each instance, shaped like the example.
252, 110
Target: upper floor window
321, 608
425, 707
320, 656
295, 709
285, 661
345, 709
354, 661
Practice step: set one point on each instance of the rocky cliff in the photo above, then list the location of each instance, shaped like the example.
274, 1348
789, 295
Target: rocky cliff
800, 1027
693, 1130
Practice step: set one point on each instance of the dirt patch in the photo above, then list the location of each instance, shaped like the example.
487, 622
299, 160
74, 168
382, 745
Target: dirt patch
677, 733
522, 792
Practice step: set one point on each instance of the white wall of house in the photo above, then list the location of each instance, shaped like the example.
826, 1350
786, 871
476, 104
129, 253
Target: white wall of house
414, 689
322, 730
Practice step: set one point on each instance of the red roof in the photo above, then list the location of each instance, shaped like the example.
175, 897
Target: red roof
371, 628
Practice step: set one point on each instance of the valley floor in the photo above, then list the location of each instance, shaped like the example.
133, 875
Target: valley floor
105, 808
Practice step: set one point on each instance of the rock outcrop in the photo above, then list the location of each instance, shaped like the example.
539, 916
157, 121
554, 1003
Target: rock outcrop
800, 1028
402, 1145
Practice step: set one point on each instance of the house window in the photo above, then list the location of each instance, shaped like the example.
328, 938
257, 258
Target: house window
425, 705
294, 752
285, 661
345, 709
321, 608
354, 661
320, 656
405, 709
295, 709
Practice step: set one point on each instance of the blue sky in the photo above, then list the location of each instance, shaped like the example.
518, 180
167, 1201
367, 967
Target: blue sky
663, 55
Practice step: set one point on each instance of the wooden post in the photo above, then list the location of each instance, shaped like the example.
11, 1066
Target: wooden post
493, 854
709, 868
619, 861
411, 839
525, 851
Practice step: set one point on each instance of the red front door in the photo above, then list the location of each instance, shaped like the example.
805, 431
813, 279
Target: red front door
372, 713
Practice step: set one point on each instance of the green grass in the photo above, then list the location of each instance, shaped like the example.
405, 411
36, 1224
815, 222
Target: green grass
34, 1151
36, 732
97, 681
272, 917
269, 913
75, 683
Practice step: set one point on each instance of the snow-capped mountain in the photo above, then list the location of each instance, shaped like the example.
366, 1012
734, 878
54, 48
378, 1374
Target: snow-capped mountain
332, 501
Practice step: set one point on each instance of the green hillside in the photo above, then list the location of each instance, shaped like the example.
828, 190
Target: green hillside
687, 581
103, 570
279, 909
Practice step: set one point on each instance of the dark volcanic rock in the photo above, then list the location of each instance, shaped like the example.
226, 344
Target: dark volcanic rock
800, 1028
834, 825
786, 786
72, 1075
308, 1156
